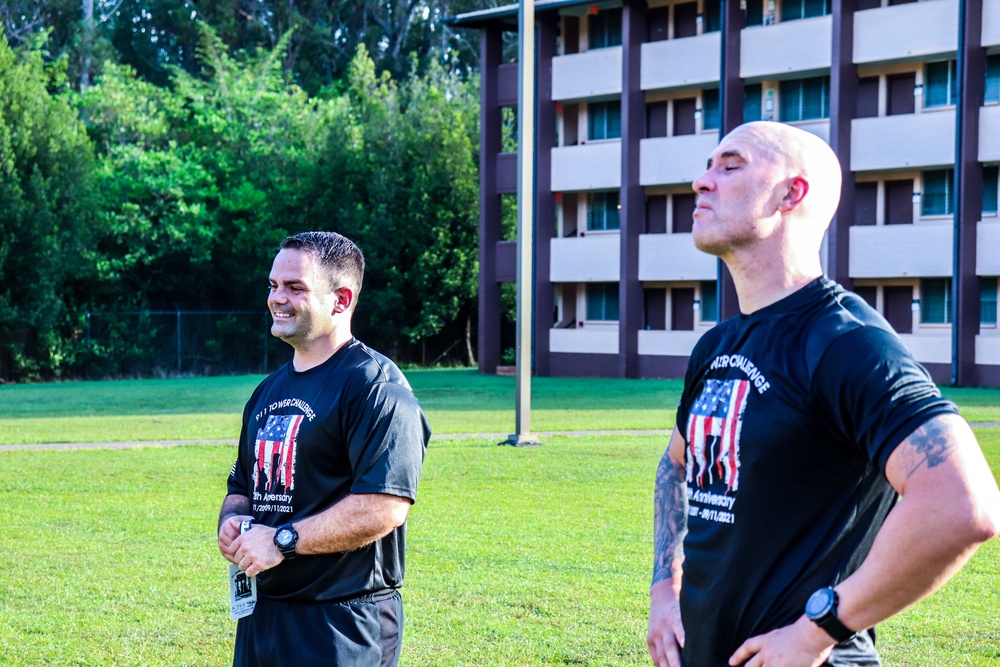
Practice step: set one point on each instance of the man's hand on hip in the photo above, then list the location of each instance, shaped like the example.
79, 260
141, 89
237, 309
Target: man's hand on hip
802, 644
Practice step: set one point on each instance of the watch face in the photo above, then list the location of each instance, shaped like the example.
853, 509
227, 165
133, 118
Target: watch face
284, 537
820, 602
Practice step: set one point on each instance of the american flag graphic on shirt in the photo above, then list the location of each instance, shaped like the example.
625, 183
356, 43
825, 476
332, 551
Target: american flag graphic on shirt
275, 469
713, 433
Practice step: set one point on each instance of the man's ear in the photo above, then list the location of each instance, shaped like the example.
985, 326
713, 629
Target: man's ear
344, 299
797, 190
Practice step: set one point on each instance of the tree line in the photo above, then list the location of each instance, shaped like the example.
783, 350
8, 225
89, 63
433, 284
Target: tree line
132, 189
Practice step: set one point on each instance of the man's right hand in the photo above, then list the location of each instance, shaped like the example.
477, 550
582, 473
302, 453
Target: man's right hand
229, 530
665, 636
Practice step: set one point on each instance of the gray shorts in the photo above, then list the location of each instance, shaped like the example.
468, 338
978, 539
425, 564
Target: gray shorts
361, 632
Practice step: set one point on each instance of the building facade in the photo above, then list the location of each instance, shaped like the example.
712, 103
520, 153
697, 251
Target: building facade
633, 95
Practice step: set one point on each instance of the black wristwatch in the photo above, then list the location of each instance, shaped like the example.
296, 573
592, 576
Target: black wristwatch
822, 610
285, 538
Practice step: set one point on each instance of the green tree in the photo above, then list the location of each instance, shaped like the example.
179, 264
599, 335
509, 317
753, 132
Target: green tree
46, 224
402, 181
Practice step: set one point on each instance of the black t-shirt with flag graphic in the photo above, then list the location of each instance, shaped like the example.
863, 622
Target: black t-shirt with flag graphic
348, 426
789, 415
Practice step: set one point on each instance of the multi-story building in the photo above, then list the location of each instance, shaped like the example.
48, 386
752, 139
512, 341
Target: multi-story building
631, 98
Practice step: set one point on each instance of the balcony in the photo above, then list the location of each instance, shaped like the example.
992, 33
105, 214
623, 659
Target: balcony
598, 338
596, 166
929, 348
897, 251
795, 46
675, 160
668, 343
588, 75
680, 63
907, 141
988, 350
987, 243
673, 257
989, 133
910, 31
991, 22
593, 258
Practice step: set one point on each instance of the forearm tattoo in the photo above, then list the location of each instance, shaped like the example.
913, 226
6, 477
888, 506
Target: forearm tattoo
669, 518
932, 444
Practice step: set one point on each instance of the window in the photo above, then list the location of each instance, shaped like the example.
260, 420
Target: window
683, 212
682, 309
935, 301
604, 120
899, 202
709, 301
602, 211
805, 99
938, 197
866, 204
684, 122
602, 302
940, 84
991, 175
988, 301
605, 29
897, 303
993, 78
655, 308
710, 111
867, 97
804, 9
753, 106
685, 20
712, 19
754, 12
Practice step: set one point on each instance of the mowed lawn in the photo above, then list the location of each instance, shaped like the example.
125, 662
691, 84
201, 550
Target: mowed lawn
532, 556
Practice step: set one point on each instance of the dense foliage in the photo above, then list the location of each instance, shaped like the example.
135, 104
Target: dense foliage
167, 180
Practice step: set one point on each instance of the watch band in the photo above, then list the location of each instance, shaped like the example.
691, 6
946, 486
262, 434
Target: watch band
821, 609
835, 628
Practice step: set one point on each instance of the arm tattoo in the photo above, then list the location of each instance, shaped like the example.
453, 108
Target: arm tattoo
932, 444
669, 518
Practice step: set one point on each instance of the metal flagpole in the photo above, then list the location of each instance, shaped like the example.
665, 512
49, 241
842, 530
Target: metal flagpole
525, 221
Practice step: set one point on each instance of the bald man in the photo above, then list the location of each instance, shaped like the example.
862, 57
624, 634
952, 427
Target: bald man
801, 421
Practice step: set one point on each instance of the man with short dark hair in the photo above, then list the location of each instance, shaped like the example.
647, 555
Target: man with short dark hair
329, 459
778, 538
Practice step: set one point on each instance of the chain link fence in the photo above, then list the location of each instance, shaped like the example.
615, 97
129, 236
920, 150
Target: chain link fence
181, 342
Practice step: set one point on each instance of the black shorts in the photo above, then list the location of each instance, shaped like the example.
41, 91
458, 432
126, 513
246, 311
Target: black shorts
362, 632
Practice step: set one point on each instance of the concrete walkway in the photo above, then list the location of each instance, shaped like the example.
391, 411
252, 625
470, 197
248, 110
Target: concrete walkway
493, 437
489, 437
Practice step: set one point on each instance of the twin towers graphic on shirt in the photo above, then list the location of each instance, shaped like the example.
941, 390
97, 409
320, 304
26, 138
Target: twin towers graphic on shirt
713, 433
274, 471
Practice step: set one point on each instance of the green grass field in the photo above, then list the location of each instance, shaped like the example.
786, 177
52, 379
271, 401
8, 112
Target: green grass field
533, 556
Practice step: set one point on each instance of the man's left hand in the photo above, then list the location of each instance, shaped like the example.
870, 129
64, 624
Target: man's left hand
256, 551
802, 644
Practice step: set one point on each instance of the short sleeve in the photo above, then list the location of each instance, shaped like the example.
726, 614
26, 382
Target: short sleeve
387, 436
239, 475
874, 392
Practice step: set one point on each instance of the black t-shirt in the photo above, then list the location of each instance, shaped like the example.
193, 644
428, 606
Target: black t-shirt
789, 416
348, 426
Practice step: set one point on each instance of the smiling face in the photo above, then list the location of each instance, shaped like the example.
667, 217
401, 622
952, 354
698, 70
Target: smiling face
738, 195
301, 300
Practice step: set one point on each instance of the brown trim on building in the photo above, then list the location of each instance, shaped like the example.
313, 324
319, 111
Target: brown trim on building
731, 110
490, 311
843, 105
969, 191
581, 365
631, 198
662, 368
545, 202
